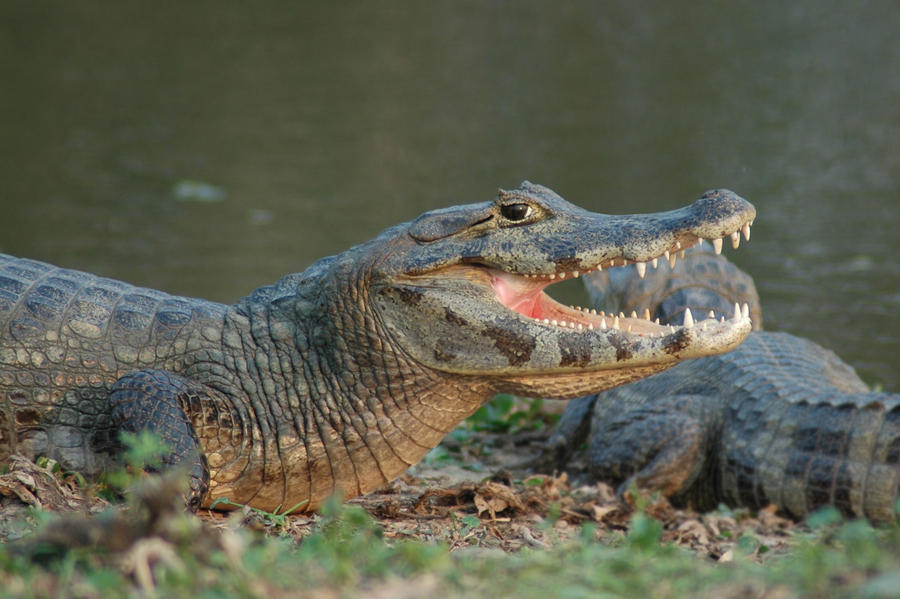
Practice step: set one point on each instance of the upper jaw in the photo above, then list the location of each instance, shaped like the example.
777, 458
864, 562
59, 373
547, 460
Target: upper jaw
524, 293
578, 241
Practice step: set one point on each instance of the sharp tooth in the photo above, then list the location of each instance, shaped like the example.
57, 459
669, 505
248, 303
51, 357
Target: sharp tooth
621, 315
616, 322
602, 313
562, 323
633, 314
666, 254
578, 308
746, 231
546, 321
656, 321
655, 262
646, 314
722, 319
575, 273
641, 269
599, 267
745, 311
593, 311
699, 244
571, 325
677, 245
712, 315
717, 245
580, 327
735, 240
672, 260
688, 318
554, 322
603, 324
737, 311
682, 254
552, 276
628, 330
590, 326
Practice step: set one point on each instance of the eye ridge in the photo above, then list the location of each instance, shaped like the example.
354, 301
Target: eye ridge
516, 212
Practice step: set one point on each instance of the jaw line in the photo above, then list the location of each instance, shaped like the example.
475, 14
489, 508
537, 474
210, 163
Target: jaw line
466, 295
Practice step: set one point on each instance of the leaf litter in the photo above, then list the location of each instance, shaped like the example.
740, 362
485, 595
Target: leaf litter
488, 507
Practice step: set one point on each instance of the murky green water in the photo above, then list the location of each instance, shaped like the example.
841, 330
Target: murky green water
323, 123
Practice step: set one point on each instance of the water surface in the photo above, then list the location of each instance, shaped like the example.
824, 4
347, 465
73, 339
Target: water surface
323, 123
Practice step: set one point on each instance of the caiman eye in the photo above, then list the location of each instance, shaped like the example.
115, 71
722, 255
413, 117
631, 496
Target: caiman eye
515, 212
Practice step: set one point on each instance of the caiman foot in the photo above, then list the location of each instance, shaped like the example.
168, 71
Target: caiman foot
156, 401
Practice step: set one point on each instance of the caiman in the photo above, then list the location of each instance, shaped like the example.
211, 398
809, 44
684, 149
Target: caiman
337, 379
779, 421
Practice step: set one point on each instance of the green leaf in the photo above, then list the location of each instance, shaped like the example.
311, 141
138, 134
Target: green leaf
645, 532
747, 544
823, 517
471, 521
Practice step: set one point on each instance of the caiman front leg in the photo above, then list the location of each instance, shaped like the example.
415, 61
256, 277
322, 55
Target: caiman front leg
161, 402
660, 444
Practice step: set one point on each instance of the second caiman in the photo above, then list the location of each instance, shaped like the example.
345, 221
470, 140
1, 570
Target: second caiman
337, 379
780, 421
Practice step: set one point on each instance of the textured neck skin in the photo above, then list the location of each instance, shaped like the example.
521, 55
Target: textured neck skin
327, 402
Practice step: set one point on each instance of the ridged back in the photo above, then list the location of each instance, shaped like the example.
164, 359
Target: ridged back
804, 431
65, 337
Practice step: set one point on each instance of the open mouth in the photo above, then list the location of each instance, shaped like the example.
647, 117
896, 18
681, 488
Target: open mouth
525, 294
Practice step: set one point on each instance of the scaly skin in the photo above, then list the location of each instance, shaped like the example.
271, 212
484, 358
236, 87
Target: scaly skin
780, 420
340, 377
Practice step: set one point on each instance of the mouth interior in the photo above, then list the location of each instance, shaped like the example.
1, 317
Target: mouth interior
526, 296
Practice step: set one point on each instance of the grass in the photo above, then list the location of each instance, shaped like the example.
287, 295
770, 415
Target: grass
347, 553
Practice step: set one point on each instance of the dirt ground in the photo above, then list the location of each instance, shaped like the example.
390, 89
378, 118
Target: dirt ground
472, 496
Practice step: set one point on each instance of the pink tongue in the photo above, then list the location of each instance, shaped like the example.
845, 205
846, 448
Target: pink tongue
518, 294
